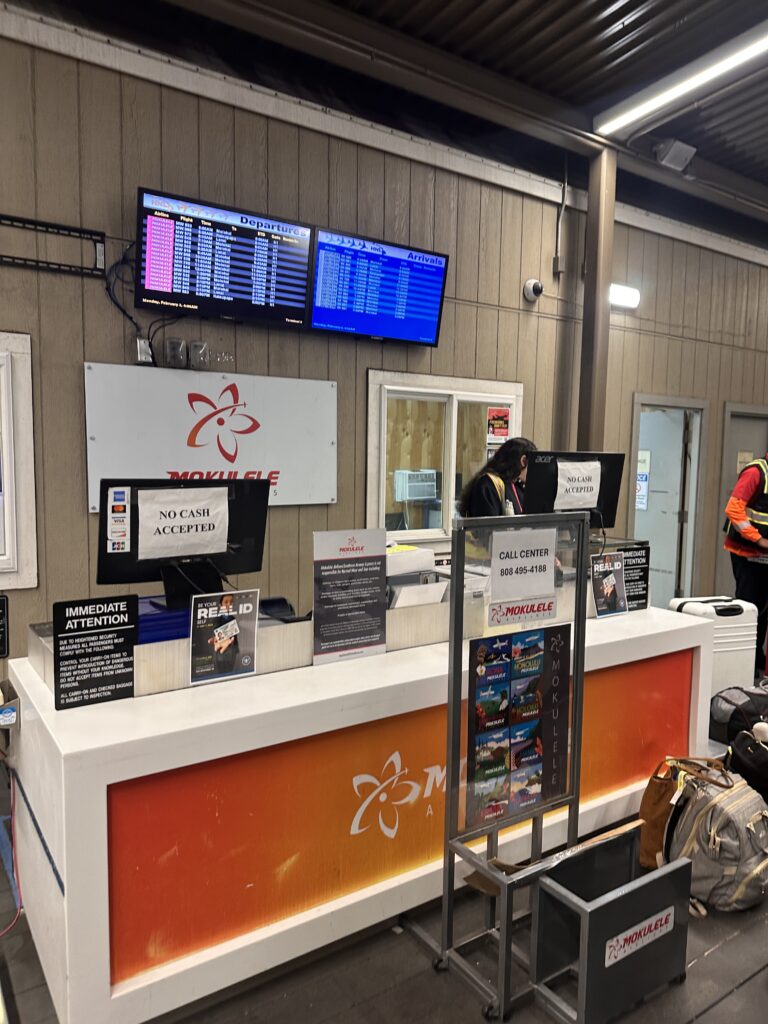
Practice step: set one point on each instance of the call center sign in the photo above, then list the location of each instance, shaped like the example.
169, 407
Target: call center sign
183, 523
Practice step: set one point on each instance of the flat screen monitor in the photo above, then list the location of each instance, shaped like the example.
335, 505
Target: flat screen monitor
363, 286
164, 530
214, 261
575, 481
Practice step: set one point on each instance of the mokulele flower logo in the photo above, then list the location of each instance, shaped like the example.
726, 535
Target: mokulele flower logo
223, 418
390, 792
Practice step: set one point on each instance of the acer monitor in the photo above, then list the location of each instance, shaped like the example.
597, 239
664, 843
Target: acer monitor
210, 260
575, 482
372, 288
187, 533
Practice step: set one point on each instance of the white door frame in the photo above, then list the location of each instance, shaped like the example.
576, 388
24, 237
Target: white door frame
757, 412
672, 402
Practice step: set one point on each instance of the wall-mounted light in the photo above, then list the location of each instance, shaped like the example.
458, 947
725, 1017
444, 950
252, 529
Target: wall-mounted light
687, 81
624, 297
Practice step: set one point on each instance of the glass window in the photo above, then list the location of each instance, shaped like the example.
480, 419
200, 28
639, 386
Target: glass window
428, 436
473, 446
415, 448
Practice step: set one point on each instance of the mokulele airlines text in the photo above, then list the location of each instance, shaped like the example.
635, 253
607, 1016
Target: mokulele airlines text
639, 935
187, 522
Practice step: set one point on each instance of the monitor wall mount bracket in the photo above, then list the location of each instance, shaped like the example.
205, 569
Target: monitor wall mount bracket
52, 266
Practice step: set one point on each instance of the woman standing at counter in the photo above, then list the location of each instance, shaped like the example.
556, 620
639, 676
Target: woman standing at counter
497, 490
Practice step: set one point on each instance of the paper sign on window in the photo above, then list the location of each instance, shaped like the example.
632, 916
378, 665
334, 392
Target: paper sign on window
183, 523
578, 485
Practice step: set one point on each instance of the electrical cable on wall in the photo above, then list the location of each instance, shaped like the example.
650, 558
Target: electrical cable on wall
112, 276
121, 271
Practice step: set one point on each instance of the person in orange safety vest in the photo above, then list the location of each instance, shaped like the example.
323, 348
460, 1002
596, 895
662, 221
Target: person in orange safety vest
746, 539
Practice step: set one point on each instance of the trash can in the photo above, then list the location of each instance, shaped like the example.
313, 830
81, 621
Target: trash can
606, 936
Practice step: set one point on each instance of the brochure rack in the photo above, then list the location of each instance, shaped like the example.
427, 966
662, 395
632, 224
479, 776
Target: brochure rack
467, 836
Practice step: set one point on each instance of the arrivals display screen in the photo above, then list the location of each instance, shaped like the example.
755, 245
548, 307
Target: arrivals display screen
362, 286
206, 260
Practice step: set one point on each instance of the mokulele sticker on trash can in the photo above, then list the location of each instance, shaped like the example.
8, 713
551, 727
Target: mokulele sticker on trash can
7, 716
639, 935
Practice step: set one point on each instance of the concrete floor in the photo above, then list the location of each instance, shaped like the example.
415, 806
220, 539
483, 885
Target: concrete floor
386, 977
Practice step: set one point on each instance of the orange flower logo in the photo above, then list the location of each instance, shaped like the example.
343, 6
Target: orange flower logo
224, 418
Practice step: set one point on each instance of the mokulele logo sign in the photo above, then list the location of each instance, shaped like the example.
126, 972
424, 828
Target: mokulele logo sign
351, 547
640, 935
394, 790
224, 420
197, 425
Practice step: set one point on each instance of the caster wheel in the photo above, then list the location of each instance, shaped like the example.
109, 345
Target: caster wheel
490, 1012
440, 964
680, 979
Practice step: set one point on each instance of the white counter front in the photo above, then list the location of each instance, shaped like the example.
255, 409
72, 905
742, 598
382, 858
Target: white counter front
172, 845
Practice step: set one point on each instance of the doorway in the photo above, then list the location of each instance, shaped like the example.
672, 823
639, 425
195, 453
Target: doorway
667, 460
745, 438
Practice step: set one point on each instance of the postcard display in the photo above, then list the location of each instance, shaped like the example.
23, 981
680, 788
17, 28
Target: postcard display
514, 727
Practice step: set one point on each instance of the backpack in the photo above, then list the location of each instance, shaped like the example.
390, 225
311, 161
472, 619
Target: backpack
735, 709
748, 756
724, 833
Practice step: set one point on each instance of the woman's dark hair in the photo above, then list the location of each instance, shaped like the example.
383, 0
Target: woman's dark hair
506, 463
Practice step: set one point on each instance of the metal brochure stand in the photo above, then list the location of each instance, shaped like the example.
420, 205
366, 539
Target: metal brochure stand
462, 835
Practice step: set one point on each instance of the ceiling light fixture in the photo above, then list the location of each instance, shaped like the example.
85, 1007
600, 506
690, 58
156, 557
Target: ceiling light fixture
625, 297
687, 80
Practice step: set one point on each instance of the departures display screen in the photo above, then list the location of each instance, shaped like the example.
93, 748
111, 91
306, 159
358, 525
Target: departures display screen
198, 259
366, 287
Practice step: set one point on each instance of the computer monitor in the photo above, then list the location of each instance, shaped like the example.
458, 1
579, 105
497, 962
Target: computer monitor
373, 288
187, 533
206, 259
575, 481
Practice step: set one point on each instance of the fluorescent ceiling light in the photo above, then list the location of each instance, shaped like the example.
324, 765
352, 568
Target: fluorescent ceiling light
686, 81
624, 296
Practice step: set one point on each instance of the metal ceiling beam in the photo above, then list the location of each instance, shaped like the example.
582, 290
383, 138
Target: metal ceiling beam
703, 180
360, 45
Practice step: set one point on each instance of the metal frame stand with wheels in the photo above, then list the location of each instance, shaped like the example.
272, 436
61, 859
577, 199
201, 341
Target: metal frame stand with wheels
502, 888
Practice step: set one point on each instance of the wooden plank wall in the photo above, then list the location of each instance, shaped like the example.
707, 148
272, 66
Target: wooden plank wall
701, 331
76, 142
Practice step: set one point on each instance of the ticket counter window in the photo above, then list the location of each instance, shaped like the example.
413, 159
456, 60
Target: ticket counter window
415, 458
427, 436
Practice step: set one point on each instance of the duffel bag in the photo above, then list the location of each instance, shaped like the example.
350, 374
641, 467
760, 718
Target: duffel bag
748, 757
734, 709
724, 833
657, 801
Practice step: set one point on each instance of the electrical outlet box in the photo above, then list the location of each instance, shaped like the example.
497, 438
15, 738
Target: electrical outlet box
199, 355
176, 353
143, 352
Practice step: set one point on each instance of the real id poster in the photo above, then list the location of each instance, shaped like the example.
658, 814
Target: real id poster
223, 636
608, 588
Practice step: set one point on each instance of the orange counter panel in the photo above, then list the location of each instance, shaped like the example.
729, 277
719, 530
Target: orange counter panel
204, 853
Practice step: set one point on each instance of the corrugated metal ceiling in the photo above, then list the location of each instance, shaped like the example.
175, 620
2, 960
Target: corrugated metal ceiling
588, 52
595, 53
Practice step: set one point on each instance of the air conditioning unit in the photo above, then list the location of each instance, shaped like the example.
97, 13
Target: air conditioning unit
415, 484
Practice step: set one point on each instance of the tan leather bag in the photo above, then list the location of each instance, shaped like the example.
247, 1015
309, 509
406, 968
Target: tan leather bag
656, 804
